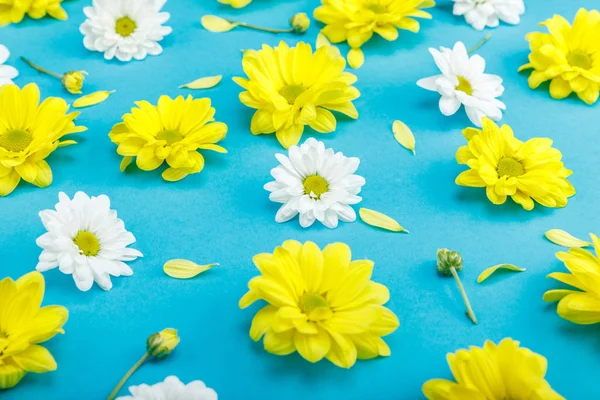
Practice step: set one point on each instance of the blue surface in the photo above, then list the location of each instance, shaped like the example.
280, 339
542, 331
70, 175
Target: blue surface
224, 215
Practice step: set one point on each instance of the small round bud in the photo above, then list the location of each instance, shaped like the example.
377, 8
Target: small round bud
73, 81
300, 22
447, 259
161, 344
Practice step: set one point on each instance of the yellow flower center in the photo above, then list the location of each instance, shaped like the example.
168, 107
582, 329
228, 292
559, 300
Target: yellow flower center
508, 166
87, 242
291, 92
315, 307
579, 59
170, 136
464, 86
125, 26
16, 140
316, 185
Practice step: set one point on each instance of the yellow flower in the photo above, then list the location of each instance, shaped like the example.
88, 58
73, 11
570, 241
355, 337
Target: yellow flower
503, 371
567, 56
321, 304
236, 3
506, 166
173, 131
73, 81
355, 21
584, 267
300, 22
29, 132
292, 87
13, 11
23, 325
39, 9
161, 344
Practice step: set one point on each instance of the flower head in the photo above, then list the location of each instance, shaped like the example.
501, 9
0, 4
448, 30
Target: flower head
173, 131
161, 344
13, 11
87, 240
294, 87
321, 304
29, 132
73, 81
480, 14
355, 21
463, 82
300, 22
447, 259
171, 389
23, 325
7, 73
316, 183
506, 166
41, 8
502, 371
125, 29
567, 56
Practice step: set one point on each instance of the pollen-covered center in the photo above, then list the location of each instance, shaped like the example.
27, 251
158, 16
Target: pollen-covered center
508, 166
315, 307
580, 59
291, 92
315, 185
464, 86
87, 242
125, 26
15, 140
170, 136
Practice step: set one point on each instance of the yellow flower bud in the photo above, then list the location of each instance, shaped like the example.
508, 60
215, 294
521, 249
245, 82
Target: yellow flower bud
300, 22
73, 81
161, 344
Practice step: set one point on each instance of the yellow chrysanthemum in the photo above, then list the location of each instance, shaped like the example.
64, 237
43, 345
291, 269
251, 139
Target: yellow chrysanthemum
294, 87
321, 304
506, 166
23, 325
568, 56
29, 132
494, 372
173, 131
584, 267
13, 11
41, 8
236, 3
355, 21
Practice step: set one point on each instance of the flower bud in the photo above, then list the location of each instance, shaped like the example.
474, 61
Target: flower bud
448, 259
300, 22
73, 81
161, 344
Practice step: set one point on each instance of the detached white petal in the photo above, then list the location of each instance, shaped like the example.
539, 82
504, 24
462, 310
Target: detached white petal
7, 73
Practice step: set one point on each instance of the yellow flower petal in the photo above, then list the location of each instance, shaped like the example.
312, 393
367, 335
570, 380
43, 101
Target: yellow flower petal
556, 294
404, 135
203, 83
92, 99
217, 24
356, 58
322, 41
379, 220
35, 359
562, 238
184, 269
489, 271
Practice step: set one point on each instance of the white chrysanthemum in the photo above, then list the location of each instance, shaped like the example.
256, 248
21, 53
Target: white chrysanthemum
87, 240
171, 389
482, 13
315, 183
125, 29
463, 81
7, 73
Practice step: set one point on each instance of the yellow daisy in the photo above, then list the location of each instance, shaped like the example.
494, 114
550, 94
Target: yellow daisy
494, 372
321, 304
506, 166
29, 132
173, 131
41, 8
584, 267
355, 21
236, 3
23, 325
294, 87
13, 11
568, 56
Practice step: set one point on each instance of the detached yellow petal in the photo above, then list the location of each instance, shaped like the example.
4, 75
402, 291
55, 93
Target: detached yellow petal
217, 24
379, 220
185, 269
404, 135
322, 41
92, 99
486, 274
562, 238
203, 83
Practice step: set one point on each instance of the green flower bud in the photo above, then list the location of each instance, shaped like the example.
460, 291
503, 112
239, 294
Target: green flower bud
300, 22
161, 344
447, 259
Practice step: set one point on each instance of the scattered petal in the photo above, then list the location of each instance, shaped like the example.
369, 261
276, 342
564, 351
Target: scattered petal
322, 41
486, 274
185, 269
92, 99
404, 135
217, 24
379, 220
562, 238
203, 83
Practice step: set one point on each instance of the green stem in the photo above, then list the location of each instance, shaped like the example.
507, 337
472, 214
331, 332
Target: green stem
40, 69
125, 377
258, 28
481, 43
470, 312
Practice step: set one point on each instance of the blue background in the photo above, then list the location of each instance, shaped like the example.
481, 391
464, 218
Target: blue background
224, 215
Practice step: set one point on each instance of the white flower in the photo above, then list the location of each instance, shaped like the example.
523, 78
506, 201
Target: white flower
315, 183
87, 240
482, 13
171, 389
462, 81
125, 29
7, 73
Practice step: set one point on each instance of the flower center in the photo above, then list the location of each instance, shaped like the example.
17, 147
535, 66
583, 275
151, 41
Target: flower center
87, 242
315, 185
508, 166
315, 307
125, 26
581, 60
16, 140
291, 92
170, 136
464, 86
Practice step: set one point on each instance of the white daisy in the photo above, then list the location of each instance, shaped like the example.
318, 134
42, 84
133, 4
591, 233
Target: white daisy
7, 73
482, 13
317, 184
87, 240
463, 81
125, 29
171, 389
